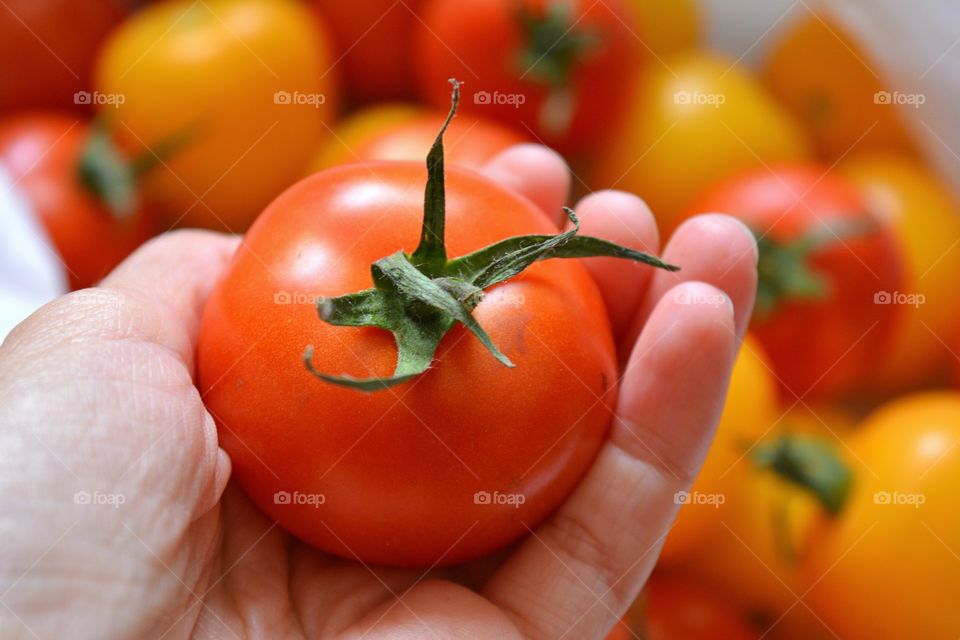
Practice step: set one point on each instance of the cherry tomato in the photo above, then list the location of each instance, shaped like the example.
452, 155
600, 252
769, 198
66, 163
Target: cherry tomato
400, 132
371, 38
562, 70
47, 49
675, 607
668, 27
749, 413
447, 467
43, 152
833, 87
695, 120
232, 93
925, 221
886, 566
825, 263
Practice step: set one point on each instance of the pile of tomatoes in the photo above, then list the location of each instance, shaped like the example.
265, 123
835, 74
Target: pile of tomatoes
827, 504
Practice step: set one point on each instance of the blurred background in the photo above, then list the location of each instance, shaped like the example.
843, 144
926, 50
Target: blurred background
828, 505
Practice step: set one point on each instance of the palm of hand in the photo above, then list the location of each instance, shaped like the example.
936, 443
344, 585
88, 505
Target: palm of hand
97, 407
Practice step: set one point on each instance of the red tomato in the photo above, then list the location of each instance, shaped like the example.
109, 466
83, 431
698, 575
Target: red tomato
43, 154
395, 132
817, 314
677, 608
371, 37
411, 476
559, 70
47, 49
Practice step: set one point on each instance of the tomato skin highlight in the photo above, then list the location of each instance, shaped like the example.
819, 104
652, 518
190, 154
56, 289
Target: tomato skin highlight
399, 469
821, 347
42, 152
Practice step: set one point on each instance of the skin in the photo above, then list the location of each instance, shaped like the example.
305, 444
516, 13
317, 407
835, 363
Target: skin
42, 153
238, 146
102, 380
670, 152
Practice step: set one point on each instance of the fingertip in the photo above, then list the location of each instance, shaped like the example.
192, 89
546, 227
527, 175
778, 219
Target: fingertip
536, 172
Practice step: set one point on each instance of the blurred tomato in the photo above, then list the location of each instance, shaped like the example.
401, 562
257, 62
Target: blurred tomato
398, 132
47, 49
679, 608
53, 166
372, 39
749, 413
825, 262
696, 119
668, 27
243, 85
559, 69
887, 566
830, 85
753, 556
925, 220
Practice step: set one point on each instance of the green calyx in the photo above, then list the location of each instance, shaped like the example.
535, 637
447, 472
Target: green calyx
554, 47
809, 463
784, 272
419, 297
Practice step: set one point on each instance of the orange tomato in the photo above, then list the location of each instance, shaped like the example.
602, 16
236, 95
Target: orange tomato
830, 85
242, 85
696, 119
925, 221
406, 132
668, 27
887, 565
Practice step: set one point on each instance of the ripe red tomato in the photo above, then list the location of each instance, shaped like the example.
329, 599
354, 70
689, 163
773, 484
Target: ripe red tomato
370, 38
399, 132
47, 49
825, 261
441, 469
43, 154
559, 70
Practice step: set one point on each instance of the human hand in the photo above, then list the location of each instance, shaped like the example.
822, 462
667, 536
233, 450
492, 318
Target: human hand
120, 520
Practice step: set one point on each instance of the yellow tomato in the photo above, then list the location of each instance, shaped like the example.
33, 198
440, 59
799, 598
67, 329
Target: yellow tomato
766, 526
830, 85
240, 90
887, 566
697, 118
398, 132
750, 411
668, 27
925, 220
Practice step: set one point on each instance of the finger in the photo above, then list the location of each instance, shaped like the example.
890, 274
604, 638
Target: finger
176, 272
711, 248
581, 569
626, 220
536, 172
